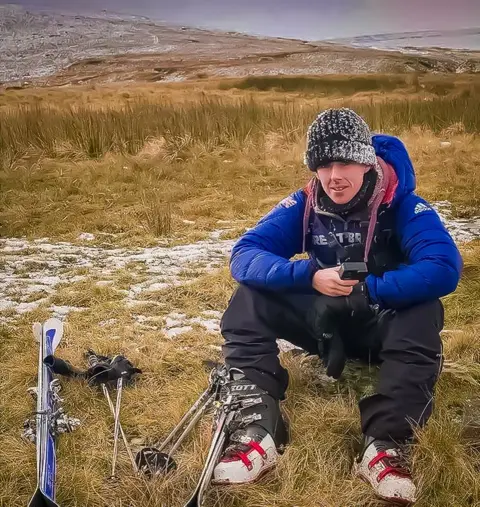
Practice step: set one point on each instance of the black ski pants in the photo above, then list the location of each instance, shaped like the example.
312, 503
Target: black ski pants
407, 346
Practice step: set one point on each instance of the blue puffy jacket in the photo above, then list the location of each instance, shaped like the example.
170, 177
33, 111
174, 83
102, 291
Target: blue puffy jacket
261, 257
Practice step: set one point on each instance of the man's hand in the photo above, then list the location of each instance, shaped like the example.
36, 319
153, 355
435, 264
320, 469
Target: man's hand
327, 281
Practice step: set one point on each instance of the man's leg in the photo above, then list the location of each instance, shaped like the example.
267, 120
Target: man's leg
411, 356
251, 325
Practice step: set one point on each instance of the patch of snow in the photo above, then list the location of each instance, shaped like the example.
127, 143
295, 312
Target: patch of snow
212, 313
175, 315
7, 304
189, 222
175, 331
147, 321
285, 346
61, 312
462, 230
211, 325
153, 287
26, 307
133, 303
445, 144
109, 322
169, 322
180, 321
49, 265
86, 236
104, 283
215, 235
77, 278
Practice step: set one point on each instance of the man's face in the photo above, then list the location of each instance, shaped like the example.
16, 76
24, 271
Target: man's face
341, 181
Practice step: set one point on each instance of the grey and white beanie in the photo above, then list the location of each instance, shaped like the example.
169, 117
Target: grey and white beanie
339, 135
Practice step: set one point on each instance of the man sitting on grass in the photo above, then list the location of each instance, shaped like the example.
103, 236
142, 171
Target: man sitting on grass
359, 207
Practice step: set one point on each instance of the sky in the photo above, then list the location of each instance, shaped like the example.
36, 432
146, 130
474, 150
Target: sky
303, 19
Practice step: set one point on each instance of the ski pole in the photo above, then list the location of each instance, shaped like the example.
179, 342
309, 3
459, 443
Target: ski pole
216, 447
103, 369
191, 424
117, 425
124, 437
196, 407
152, 460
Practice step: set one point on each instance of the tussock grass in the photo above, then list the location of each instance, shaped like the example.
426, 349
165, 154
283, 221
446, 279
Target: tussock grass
139, 199
213, 122
458, 305
139, 171
326, 85
207, 292
83, 294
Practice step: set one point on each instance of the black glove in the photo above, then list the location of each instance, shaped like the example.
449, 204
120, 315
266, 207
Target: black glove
121, 367
332, 352
332, 310
107, 370
359, 303
328, 312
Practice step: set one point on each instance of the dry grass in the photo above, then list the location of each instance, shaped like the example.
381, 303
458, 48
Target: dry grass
409, 86
248, 160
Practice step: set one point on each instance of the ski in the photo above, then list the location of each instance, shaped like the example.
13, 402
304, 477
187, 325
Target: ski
49, 418
216, 447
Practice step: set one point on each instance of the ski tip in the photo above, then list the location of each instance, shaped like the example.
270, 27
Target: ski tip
53, 323
53, 330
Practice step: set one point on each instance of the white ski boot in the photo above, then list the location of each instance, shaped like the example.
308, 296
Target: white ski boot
382, 465
259, 433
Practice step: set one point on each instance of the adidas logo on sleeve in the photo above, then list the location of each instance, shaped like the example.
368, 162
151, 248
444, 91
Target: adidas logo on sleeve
421, 207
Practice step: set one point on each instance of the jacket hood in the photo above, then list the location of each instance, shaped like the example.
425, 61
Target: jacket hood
394, 153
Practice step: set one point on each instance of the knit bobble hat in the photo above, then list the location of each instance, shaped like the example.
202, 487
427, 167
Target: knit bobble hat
339, 135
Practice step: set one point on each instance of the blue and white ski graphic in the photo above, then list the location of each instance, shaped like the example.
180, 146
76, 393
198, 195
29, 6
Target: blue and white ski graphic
49, 334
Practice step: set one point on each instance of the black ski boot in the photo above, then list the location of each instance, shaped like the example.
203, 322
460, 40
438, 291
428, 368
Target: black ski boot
257, 434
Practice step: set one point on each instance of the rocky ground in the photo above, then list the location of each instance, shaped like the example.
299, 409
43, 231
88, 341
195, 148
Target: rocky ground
44, 48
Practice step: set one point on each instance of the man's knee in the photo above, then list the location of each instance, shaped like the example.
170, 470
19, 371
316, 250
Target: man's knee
248, 326
414, 334
412, 351
246, 308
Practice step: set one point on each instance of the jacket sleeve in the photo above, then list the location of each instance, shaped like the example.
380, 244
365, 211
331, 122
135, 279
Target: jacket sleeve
433, 266
261, 257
